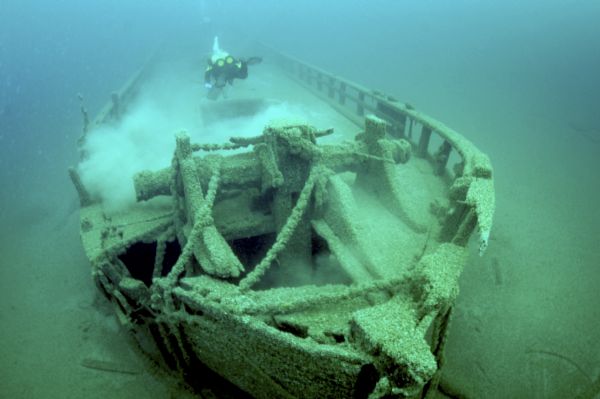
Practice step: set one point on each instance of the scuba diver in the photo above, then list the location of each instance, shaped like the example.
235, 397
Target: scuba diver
222, 69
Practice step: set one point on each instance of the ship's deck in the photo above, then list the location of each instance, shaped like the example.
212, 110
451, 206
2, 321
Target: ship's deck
269, 96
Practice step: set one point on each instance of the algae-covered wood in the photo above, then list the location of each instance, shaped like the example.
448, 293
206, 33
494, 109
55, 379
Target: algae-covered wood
295, 268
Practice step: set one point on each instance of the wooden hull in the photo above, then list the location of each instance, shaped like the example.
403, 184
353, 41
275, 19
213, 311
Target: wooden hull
294, 269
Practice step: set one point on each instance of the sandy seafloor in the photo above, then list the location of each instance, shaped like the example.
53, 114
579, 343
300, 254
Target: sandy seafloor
528, 315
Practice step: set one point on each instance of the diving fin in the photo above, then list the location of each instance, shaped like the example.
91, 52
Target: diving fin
214, 93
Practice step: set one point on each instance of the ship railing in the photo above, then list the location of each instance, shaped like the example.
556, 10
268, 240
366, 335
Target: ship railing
468, 170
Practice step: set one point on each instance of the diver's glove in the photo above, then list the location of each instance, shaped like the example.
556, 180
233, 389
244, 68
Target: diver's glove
208, 85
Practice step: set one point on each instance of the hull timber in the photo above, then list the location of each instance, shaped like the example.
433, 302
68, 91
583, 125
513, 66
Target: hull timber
294, 269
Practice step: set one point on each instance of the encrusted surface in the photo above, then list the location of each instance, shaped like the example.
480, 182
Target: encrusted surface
336, 214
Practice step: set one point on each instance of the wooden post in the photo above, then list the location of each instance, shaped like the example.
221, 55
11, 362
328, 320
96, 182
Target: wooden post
424, 141
360, 104
213, 253
441, 157
331, 87
84, 196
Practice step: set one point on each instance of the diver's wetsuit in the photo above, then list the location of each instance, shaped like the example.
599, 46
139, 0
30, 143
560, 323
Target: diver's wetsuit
224, 70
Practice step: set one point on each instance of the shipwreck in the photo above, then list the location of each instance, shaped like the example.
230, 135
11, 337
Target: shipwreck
289, 267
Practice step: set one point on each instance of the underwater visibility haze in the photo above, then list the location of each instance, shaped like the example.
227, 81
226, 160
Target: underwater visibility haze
519, 79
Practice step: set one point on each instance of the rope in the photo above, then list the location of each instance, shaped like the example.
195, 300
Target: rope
285, 233
203, 218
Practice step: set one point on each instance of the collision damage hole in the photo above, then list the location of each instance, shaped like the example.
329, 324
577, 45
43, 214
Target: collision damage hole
139, 260
172, 252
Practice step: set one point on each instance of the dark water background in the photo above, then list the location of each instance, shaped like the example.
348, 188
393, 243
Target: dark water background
520, 79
